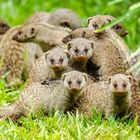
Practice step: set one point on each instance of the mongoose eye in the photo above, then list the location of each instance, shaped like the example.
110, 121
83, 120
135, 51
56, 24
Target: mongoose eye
3, 25
124, 85
95, 26
69, 82
52, 61
61, 60
76, 51
115, 85
78, 82
19, 33
118, 27
86, 50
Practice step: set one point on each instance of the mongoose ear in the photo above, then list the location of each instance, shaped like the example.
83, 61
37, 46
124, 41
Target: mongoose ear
85, 76
67, 53
109, 79
64, 76
65, 23
46, 54
92, 44
88, 20
69, 46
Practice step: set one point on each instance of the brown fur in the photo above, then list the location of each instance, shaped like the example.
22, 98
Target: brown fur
106, 97
47, 36
13, 55
108, 53
59, 95
94, 23
60, 17
44, 68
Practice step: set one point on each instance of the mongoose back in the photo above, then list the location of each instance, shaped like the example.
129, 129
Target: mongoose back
47, 36
50, 66
59, 17
108, 54
59, 95
111, 97
80, 51
95, 23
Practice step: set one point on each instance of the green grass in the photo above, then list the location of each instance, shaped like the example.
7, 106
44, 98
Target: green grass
60, 126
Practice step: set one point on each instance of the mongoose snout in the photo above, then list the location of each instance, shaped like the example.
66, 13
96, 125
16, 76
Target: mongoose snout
4, 27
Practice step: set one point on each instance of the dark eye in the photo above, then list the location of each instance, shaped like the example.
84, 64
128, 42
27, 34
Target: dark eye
95, 26
72, 36
69, 82
86, 50
2, 25
52, 61
124, 85
78, 82
115, 85
19, 33
76, 51
61, 60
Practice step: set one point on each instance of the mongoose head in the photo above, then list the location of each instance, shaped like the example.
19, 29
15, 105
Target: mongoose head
65, 18
25, 34
120, 84
74, 81
80, 49
98, 21
57, 59
4, 27
78, 33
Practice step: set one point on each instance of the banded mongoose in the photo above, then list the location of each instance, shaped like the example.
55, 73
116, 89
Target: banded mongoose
13, 55
60, 17
47, 36
80, 51
50, 66
112, 97
59, 95
94, 23
108, 54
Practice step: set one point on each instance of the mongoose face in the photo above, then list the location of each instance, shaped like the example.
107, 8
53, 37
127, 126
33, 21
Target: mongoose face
74, 81
98, 21
78, 33
57, 59
120, 84
25, 33
4, 27
80, 49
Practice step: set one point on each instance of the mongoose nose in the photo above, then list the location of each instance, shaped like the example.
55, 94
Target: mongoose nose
57, 66
82, 58
74, 89
15, 38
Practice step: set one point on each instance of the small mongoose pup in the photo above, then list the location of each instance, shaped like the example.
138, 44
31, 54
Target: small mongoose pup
108, 54
50, 66
80, 50
112, 97
94, 23
59, 95
47, 36
59, 17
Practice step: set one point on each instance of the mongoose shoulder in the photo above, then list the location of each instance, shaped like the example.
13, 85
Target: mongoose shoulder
95, 22
50, 66
47, 36
59, 95
111, 97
